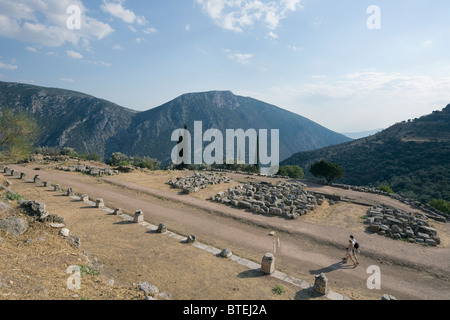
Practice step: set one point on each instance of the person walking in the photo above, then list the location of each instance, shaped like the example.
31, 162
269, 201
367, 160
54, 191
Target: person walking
350, 253
355, 248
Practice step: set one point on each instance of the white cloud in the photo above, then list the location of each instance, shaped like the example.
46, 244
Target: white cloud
45, 22
105, 64
118, 47
187, 27
294, 48
235, 15
272, 35
242, 58
8, 66
67, 80
116, 9
150, 30
31, 49
74, 54
139, 40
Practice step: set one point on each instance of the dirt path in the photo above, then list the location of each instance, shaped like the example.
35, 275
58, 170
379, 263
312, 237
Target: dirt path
308, 246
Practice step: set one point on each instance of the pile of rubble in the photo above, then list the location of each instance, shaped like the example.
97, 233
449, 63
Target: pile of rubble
197, 182
394, 223
431, 212
250, 173
91, 170
285, 199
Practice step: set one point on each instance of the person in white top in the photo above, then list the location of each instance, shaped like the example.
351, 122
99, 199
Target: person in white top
355, 248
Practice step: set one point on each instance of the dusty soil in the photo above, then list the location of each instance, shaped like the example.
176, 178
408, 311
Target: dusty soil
312, 244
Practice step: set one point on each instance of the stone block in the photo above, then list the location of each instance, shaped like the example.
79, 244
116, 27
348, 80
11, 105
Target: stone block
428, 230
244, 205
423, 235
374, 227
396, 229
268, 263
161, 228
99, 203
191, 239
226, 253
275, 211
321, 284
138, 216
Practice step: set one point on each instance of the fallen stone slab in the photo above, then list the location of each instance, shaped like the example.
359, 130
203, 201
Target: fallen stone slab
15, 226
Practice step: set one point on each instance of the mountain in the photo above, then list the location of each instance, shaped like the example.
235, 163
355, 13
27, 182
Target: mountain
89, 124
361, 134
412, 157
223, 110
68, 118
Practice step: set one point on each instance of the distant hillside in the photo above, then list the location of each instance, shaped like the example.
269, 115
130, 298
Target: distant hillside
412, 157
88, 124
151, 130
68, 118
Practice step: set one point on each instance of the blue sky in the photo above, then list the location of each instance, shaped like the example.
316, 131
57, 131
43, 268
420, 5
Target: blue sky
317, 58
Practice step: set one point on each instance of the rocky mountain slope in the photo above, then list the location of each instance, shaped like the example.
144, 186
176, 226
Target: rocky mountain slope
412, 157
89, 124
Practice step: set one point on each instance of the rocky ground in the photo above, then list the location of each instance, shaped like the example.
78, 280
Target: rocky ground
310, 244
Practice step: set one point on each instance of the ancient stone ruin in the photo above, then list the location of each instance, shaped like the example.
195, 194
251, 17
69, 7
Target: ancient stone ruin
396, 224
162, 228
138, 216
268, 263
37, 211
285, 199
99, 203
226, 253
321, 284
431, 212
197, 182
191, 238
90, 170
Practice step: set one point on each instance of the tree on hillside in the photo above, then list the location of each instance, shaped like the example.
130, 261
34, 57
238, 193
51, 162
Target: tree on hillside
327, 170
18, 132
118, 159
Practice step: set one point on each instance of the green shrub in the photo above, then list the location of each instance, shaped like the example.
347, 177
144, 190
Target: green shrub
85, 270
294, 172
12, 196
278, 289
385, 188
441, 205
